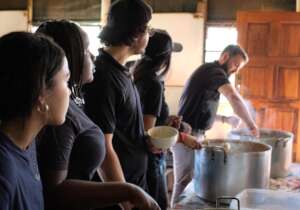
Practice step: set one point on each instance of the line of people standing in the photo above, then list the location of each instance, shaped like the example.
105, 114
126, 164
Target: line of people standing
71, 147
90, 125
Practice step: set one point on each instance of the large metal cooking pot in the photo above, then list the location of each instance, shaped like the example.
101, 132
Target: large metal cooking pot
281, 143
219, 172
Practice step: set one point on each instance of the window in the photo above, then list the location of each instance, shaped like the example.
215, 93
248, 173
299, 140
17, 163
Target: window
217, 38
92, 31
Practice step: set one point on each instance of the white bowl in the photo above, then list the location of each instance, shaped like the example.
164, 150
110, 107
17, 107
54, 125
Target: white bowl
163, 137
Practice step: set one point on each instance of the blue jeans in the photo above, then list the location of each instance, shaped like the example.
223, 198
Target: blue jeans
156, 179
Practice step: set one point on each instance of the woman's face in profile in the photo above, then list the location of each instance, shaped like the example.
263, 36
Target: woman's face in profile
57, 96
88, 65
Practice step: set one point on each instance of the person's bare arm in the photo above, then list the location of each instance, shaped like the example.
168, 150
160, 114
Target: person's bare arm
239, 106
149, 121
70, 193
111, 167
234, 121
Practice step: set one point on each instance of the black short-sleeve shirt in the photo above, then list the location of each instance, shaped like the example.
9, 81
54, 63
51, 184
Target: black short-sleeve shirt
152, 95
20, 184
77, 146
113, 103
200, 98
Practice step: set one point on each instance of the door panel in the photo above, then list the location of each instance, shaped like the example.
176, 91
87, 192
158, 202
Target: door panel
290, 39
258, 34
288, 81
271, 80
255, 82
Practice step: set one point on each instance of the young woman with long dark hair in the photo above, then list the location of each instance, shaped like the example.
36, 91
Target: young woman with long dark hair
149, 75
34, 88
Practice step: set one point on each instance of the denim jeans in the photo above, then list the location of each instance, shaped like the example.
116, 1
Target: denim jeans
156, 179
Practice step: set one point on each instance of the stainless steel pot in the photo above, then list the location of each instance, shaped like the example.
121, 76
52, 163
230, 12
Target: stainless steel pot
219, 173
282, 147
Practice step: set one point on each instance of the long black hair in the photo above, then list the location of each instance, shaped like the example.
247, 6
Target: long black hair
68, 35
157, 66
157, 57
28, 65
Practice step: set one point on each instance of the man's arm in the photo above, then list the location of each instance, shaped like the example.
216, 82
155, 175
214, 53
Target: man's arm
111, 170
111, 167
234, 121
149, 121
239, 106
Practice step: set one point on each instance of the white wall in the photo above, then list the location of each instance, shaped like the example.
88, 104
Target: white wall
189, 31
13, 21
173, 94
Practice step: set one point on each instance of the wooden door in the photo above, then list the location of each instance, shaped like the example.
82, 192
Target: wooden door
271, 80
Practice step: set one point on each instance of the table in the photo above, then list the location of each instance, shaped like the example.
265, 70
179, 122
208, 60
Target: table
189, 200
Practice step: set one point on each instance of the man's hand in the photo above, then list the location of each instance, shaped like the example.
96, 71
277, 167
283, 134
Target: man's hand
254, 130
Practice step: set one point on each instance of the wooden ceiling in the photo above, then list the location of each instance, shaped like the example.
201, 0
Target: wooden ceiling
13, 4
225, 10
88, 10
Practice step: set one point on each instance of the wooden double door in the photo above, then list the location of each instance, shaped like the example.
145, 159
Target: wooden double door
271, 79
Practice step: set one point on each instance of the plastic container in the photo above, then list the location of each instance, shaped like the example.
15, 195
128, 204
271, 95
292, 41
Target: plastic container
261, 199
163, 137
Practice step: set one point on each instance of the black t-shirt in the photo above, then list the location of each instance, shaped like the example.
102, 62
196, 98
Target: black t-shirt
152, 95
113, 103
200, 98
77, 146
20, 185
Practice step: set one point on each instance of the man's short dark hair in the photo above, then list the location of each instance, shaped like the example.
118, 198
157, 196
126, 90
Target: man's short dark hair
234, 50
27, 66
126, 20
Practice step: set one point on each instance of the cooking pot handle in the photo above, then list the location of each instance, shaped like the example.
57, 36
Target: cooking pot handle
282, 140
219, 199
219, 149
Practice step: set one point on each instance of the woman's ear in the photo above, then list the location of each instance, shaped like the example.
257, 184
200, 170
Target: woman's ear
42, 105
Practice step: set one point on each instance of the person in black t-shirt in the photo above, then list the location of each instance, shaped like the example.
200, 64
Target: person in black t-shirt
70, 154
199, 103
112, 100
34, 90
149, 73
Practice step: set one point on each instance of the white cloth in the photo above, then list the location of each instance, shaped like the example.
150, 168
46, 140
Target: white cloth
183, 167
